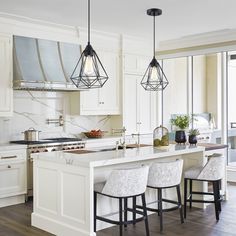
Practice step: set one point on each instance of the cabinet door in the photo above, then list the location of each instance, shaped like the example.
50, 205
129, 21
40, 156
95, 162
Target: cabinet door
146, 109
130, 103
89, 102
103, 101
6, 94
12, 179
109, 94
136, 64
139, 106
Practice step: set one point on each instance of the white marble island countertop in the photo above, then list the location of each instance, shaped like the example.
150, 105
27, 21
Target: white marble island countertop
97, 158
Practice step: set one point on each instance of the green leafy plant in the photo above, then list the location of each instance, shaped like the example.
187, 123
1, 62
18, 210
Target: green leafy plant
194, 132
181, 121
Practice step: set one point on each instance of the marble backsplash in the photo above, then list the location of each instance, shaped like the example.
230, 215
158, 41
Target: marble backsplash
32, 109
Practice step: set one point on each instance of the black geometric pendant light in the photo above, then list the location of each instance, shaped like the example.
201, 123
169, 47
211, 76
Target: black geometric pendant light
89, 71
154, 78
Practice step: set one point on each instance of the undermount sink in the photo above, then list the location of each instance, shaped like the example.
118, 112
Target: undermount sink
113, 148
128, 146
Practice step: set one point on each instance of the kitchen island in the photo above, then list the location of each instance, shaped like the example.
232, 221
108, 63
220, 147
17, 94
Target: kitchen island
63, 184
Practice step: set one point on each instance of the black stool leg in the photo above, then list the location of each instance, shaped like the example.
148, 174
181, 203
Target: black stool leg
94, 211
216, 199
160, 207
134, 209
125, 211
185, 196
145, 214
190, 191
180, 204
218, 191
120, 216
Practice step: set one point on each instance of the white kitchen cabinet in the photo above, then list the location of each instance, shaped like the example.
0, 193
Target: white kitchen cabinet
12, 177
103, 101
136, 64
6, 92
139, 106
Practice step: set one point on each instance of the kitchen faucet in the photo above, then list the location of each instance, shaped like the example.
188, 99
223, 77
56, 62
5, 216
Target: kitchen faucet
122, 131
138, 134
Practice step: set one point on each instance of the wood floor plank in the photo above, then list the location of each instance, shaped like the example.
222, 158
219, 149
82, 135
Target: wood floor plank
16, 221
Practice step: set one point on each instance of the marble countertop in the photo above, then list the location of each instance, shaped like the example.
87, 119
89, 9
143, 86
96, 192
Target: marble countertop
105, 158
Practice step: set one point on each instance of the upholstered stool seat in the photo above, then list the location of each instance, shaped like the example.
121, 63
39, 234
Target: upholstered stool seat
122, 185
212, 172
163, 175
192, 173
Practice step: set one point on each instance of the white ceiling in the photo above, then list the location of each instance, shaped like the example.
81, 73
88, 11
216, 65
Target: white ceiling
180, 17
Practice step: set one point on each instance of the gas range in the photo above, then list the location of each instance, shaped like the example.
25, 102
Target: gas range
52, 144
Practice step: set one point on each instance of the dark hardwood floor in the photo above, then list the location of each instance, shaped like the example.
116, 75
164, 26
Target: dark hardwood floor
15, 221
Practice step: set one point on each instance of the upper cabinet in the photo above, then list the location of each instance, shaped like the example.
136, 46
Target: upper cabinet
139, 106
103, 101
6, 92
135, 64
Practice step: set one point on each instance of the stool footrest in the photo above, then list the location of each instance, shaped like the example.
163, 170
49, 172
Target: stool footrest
202, 193
136, 211
118, 222
163, 210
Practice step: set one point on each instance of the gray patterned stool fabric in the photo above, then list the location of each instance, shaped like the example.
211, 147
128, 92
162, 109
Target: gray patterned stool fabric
212, 172
166, 175
127, 182
123, 184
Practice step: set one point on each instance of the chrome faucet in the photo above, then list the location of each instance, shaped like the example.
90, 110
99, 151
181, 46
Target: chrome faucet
59, 121
121, 131
138, 134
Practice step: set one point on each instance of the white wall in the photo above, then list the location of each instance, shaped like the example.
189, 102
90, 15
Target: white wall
175, 94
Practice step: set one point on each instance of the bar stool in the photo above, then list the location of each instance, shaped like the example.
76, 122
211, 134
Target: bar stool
122, 185
164, 175
212, 172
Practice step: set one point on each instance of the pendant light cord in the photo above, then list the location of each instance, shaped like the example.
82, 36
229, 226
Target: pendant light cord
88, 21
154, 35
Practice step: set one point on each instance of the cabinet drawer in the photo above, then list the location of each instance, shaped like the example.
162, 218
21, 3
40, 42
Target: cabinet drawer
12, 178
13, 155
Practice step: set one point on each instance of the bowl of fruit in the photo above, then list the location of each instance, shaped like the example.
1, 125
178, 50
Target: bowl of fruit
94, 133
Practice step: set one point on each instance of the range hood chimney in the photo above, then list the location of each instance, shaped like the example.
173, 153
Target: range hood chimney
40, 64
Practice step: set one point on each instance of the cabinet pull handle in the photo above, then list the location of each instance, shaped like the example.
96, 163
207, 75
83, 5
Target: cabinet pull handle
8, 166
8, 157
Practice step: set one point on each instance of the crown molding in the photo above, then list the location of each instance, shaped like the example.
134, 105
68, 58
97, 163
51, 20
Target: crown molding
224, 35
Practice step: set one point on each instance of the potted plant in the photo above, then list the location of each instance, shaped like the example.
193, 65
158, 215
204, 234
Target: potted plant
181, 122
192, 138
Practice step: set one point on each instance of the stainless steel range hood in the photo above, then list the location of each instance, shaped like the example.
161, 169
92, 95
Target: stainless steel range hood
40, 64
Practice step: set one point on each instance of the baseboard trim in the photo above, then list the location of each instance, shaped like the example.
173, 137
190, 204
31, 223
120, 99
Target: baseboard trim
56, 227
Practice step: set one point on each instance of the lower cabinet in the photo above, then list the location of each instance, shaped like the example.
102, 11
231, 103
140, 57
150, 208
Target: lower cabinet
12, 179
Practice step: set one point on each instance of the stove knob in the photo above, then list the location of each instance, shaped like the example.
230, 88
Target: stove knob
53, 150
63, 148
37, 151
45, 150
72, 147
